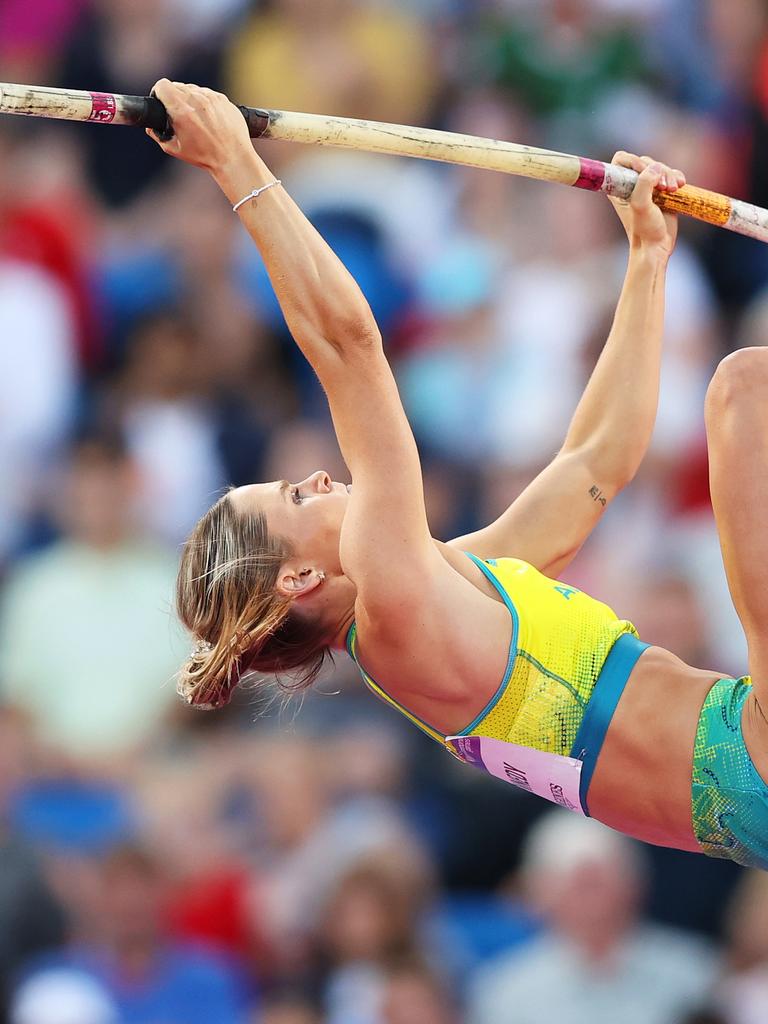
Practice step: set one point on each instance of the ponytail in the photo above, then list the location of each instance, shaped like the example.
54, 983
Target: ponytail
226, 596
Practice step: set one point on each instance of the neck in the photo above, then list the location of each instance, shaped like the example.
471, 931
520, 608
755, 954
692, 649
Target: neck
339, 636
335, 608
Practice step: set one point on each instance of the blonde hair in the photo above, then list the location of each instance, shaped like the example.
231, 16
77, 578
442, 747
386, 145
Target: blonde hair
226, 596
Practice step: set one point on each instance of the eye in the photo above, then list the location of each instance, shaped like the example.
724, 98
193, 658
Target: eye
296, 498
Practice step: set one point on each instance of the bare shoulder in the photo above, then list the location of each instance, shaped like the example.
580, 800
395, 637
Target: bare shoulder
445, 584
443, 648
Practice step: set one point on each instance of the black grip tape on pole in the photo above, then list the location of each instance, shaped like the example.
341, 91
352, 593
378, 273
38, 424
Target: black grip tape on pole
156, 118
258, 121
150, 112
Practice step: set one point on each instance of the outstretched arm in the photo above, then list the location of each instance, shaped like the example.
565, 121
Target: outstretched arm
385, 541
612, 426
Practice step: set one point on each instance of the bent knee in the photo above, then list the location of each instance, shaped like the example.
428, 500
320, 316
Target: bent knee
741, 374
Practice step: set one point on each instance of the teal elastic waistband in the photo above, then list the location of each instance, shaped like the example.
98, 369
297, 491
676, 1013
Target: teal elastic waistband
606, 695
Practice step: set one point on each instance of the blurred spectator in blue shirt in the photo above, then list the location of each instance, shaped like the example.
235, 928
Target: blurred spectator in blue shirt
31, 918
122, 943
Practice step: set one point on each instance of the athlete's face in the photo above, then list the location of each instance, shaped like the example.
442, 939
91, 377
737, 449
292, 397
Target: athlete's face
309, 515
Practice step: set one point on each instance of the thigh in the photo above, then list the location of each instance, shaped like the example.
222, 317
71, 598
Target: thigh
737, 436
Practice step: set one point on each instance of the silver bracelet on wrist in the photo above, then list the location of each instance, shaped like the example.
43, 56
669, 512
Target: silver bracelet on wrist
255, 194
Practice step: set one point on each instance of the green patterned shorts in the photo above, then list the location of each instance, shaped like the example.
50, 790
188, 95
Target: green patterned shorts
729, 797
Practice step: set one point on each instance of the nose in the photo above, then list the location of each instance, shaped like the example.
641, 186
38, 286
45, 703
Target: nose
319, 482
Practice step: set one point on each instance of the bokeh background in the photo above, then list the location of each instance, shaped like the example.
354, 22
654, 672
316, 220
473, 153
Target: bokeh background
317, 861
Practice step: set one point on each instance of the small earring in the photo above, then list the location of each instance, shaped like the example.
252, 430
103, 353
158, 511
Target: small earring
320, 576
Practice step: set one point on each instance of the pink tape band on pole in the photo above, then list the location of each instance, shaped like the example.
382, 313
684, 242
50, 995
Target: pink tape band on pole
592, 175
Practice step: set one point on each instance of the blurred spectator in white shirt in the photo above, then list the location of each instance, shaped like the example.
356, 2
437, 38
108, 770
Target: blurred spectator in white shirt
62, 995
88, 648
597, 963
160, 406
743, 995
413, 994
38, 380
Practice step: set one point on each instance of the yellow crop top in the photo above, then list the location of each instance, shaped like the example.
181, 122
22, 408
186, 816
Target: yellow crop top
560, 640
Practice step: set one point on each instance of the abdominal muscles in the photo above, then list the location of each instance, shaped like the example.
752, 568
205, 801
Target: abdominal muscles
642, 782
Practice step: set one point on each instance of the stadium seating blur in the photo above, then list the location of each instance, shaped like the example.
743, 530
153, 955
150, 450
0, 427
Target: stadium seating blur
319, 861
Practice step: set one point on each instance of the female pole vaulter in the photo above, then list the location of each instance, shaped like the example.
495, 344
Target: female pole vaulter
476, 641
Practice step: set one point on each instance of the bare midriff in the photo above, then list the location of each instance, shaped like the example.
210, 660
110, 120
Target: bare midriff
642, 782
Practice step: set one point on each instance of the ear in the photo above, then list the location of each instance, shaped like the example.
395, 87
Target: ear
298, 582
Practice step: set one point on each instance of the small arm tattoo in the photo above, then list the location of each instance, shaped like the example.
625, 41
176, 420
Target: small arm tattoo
597, 495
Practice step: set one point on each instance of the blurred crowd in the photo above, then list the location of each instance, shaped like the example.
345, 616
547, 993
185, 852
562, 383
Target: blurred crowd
316, 861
